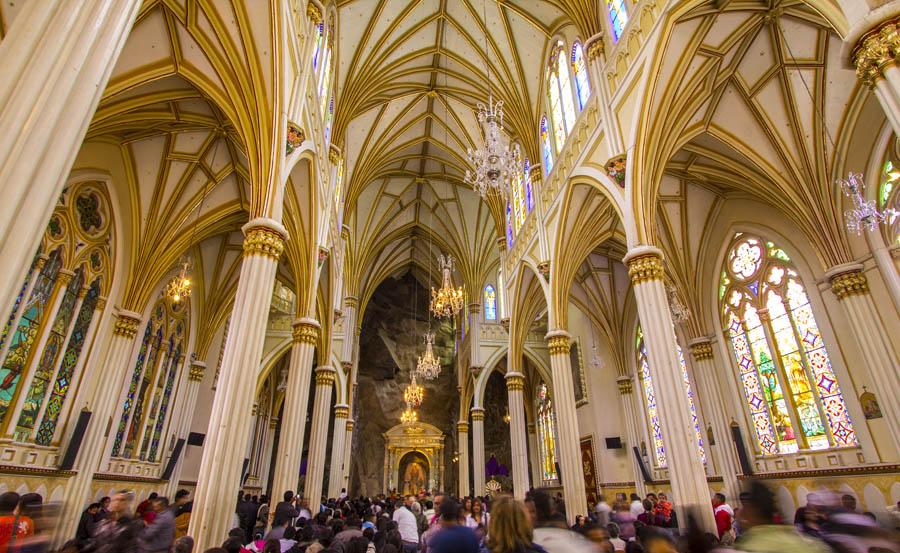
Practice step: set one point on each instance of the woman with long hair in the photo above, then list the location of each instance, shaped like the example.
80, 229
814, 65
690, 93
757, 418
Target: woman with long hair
510, 528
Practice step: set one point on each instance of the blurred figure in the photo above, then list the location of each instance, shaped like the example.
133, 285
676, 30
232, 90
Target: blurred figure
510, 531
617, 542
647, 518
602, 511
448, 536
760, 531
13, 525
637, 506
86, 525
848, 503
119, 531
551, 533
183, 545
849, 532
724, 516
625, 518
159, 535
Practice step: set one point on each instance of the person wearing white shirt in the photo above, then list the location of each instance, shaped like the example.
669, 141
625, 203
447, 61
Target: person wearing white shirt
406, 524
603, 510
637, 506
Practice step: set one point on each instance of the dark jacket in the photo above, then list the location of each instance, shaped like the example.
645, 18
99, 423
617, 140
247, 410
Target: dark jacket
284, 511
85, 528
246, 512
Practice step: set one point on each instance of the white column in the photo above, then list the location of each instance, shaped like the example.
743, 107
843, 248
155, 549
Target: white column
475, 339
296, 400
626, 389
462, 433
686, 471
478, 470
336, 472
195, 376
229, 428
348, 450
315, 466
567, 424
55, 62
711, 399
515, 386
534, 455
849, 284
102, 404
266, 462
876, 65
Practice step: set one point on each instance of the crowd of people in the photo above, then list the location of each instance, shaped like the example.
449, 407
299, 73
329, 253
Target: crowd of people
441, 523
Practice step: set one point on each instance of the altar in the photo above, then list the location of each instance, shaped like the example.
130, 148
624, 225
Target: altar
413, 458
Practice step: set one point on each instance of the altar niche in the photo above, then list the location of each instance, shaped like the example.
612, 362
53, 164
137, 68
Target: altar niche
413, 458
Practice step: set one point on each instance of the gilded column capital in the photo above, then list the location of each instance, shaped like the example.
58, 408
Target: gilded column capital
350, 424
474, 308
351, 301
264, 237
101, 304
462, 427
197, 370
41, 261
477, 414
255, 410
83, 291
531, 427
625, 384
325, 376
594, 48
515, 381
341, 410
848, 280
701, 349
501, 243
126, 324
558, 342
313, 13
875, 50
273, 423
334, 154
764, 314
64, 277
306, 330
645, 263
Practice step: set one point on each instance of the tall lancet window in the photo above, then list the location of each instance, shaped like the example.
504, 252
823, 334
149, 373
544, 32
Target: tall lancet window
792, 393
618, 17
546, 147
149, 393
55, 315
546, 427
650, 406
490, 303
559, 95
582, 82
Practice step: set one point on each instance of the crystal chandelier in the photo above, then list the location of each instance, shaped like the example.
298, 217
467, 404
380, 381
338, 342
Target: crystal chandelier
409, 416
179, 287
414, 394
494, 162
447, 301
428, 366
864, 214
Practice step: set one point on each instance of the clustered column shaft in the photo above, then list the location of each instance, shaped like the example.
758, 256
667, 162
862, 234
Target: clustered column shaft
515, 386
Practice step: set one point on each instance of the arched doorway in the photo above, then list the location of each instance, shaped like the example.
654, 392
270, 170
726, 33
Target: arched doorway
414, 471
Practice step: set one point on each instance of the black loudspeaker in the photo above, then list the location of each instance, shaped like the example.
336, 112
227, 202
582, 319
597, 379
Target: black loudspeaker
68, 460
614, 443
558, 473
196, 438
173, 460
743, 458
245, 472
644, 472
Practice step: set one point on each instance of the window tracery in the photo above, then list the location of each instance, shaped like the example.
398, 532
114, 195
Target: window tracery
792, 393
546, 427
889, 197
582, 82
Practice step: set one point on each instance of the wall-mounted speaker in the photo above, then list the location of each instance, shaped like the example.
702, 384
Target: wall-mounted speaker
68, 460
173, 460
640, 460
614, 443
743, 458
196, 438
559, 473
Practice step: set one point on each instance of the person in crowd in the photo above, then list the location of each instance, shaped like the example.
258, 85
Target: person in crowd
421, 521
510, 530
617, 542
233, 544
478, 519
14, 525
551, 532
664, 513
724, 516
406, 524
146, 506
86, 525
636, 506
848, 503
159, 535
647, 518
428, 511
119, 530
183, 519
625, 518
246, 512
351, 531
602, 511
580, 525
439, 497
286, 510
182, 498
105, 502
303, 509
761, 534
279, 525
184, 544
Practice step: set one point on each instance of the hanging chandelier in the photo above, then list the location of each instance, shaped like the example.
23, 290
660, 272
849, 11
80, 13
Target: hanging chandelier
447, 301
494, 162
179, 287
864, 215
428, 367
414, 394
409, 416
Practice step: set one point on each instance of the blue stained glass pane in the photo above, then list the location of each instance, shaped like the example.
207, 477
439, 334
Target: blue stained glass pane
545, 145
164, 407
490, 303
618, 17
19, 298
135, 379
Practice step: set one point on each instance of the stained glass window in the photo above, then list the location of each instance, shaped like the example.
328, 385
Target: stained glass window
326, 74
546, 146
889, 197
649, 395
27, 330
317, 52
509, 228
559, 93
529, 194
618, 17
329, 116
47, 362
66, 372
518, 195
792, 393
582, 82
20, 297
546, 426
490, 303
151, 388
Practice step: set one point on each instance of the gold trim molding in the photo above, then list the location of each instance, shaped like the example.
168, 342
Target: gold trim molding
645, 268
876, 50
36, 471
126, 326
306, 331
462, 426
263, 241
324, 376
341, 412
477, 414
625, 384
558, 345
702, 351
515, 382
196, 372
852, 283
313, 13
